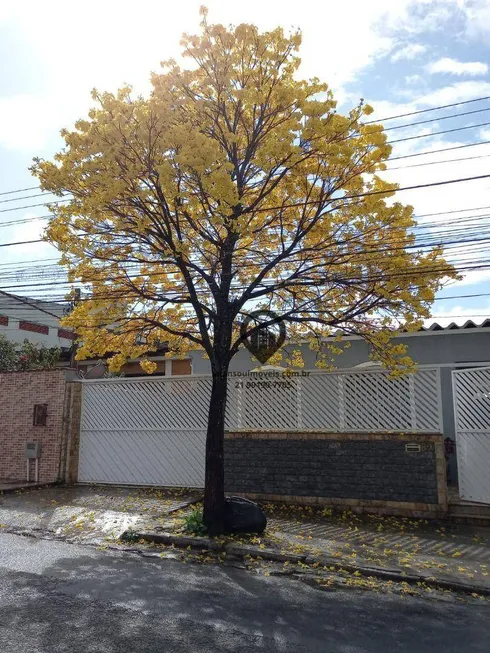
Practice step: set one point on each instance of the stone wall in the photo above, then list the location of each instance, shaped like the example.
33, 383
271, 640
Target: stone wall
73, 432
19, 393
370, 471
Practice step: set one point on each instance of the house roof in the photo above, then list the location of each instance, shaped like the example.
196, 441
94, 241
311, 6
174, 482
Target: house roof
54, 309
469, 324
434, 328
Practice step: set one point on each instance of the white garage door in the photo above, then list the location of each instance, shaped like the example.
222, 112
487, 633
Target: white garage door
144, 432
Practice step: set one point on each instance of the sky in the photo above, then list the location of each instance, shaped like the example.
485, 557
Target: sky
400, 56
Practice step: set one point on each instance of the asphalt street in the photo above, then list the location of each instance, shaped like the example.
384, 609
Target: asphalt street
57, 597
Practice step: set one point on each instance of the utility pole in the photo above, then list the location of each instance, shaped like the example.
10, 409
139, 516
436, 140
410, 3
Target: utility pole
76, 299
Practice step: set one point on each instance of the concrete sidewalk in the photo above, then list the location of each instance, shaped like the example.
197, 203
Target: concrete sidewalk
390, 548
391, 536
88, 514
304, 540
434, 555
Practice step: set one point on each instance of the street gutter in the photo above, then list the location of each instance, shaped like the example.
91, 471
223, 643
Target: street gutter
244, 551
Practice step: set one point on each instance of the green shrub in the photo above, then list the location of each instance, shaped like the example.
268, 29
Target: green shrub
130, 536
193, 522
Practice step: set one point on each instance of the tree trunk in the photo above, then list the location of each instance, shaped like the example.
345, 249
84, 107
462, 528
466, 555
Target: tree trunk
214, 491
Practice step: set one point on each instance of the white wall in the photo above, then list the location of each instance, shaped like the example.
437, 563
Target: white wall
43, 313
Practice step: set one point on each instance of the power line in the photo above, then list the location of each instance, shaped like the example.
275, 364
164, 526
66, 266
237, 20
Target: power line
480, 294
445, 131
22, 242
425, 122
346, 197
31, 206
46, 217
27, 302
370, 122
181, 289
433, 163
25, 197
436, 299
442, 106
416, 216
440, 238
443, 149
375, 192
36, 260
429, 241
25, 220
476, 208
418, 245
455, 104
20, 190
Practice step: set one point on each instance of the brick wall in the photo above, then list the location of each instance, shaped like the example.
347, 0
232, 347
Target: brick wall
64, 333
19, 392
32, 326
357, 470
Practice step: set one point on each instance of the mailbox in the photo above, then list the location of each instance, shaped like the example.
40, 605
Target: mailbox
32, 450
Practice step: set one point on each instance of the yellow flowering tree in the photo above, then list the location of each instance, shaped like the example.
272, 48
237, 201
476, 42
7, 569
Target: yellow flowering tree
235, 186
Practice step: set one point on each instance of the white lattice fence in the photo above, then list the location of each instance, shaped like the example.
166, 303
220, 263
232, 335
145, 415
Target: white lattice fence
341, 401
152, 431
471, 390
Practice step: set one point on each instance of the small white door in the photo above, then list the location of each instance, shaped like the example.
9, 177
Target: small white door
471, 394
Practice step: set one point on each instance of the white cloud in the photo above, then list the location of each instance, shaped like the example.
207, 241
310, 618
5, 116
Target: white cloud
409, 51
467, 18
457, 92
477, 16
454, 67
472, 278
419, 16
27, 121
385, 108
414, 79
109, 43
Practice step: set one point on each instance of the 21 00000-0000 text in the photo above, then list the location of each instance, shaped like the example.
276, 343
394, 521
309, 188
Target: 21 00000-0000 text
263, 384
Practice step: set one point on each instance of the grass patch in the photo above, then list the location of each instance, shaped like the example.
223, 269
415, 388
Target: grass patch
193, 522
130, 536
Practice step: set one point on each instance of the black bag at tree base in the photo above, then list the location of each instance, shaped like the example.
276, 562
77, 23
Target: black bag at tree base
243, 516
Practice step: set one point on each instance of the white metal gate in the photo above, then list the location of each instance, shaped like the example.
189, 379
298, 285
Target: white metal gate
144, 432
471, 393
151, 431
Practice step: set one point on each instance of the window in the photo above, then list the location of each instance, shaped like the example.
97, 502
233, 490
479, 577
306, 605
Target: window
181, 367
40, 414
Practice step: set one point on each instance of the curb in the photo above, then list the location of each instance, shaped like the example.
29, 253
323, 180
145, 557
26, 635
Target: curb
181, 541
244, 550
31, 487
207, 544
184, 504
